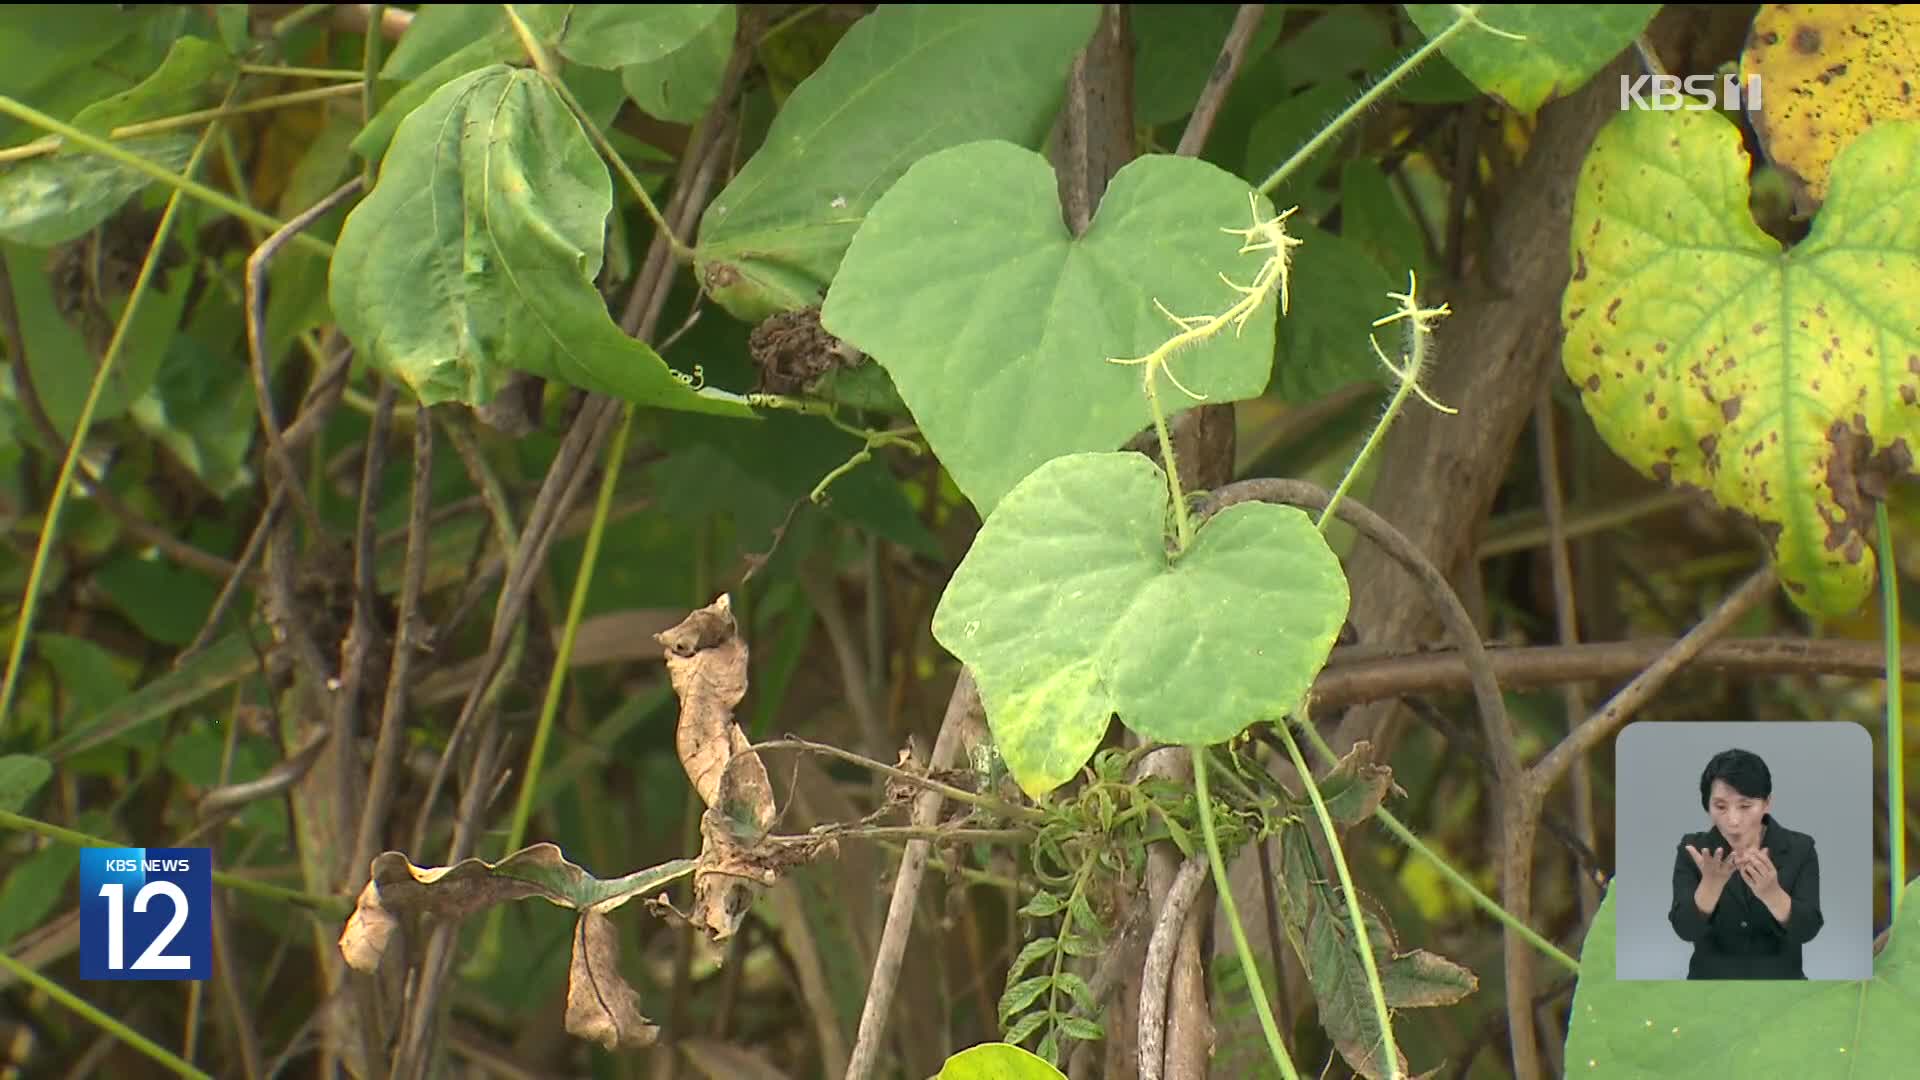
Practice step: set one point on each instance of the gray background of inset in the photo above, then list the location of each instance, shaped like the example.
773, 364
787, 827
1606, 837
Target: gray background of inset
1822, 786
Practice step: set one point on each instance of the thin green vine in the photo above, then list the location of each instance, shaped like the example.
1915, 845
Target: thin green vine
1469, 16
1268, 235
1367, 961
1255, 987
50, 528
1896, 715
172, 1062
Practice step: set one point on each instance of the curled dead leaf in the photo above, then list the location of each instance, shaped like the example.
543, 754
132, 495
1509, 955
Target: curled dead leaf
707, 664
369, 930
601, 1006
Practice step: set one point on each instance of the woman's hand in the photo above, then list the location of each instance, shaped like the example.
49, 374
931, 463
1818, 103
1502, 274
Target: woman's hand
1715, 868
1757, 870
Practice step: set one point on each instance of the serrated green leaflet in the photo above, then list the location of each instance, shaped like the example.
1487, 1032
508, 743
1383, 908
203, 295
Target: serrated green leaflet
1782, 385
996, 324
1564, 45
998, 1061
476, 253
1830, 1029
906, 81
1068, 609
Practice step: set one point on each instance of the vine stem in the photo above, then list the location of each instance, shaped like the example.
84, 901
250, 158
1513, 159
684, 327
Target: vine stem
1896, 716
57, 502
490, 939
160, 1054
1367, 961
1408, 374
1255, 985
1374, 93
49, 144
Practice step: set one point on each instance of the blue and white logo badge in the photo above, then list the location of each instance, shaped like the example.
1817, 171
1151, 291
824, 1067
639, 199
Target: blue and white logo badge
143, 913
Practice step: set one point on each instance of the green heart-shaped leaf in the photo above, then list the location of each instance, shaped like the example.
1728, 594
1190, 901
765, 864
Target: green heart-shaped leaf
1561, 45
1639, 1029
1069, 609
997, 325
907, 80
1784, 385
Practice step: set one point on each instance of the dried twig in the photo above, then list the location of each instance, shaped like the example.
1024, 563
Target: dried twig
277, 455
408, 637
1567, 624
964, 702
1548, 770
1158, 970
1220, 79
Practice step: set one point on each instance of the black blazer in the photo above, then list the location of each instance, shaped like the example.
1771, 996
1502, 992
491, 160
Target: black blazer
1742, 939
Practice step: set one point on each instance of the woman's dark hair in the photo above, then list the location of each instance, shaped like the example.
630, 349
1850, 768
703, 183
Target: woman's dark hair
1744, 772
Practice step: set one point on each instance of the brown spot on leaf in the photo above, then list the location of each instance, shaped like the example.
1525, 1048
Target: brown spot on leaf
1729, 409
1759, 328
1906, 393
1831, 74
1612, 308
1662, 472
1806, 40
1660, 346
1593, 384
1580, 268
1708, 445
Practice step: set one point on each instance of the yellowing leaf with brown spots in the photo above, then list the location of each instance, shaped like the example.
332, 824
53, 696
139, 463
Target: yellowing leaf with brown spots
1782, 384
1827, 73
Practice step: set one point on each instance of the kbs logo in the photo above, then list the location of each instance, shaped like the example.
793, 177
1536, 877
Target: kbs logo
143, 913
1663, 93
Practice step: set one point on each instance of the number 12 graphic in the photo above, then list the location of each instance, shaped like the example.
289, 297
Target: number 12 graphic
151, 902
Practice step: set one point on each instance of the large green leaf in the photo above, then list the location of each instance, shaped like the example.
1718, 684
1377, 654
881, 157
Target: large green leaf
1784, 385
615, 35
1069, 609
1829, 1029
679, 86
906, 81
475, 254
996, 323
444, 42
61, 58
998, 1061
54, 198
1564, 45
193, 76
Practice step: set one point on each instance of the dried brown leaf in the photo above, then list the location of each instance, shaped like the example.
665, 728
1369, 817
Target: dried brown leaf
369, 930
396, 885
707, 664
601, 1006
